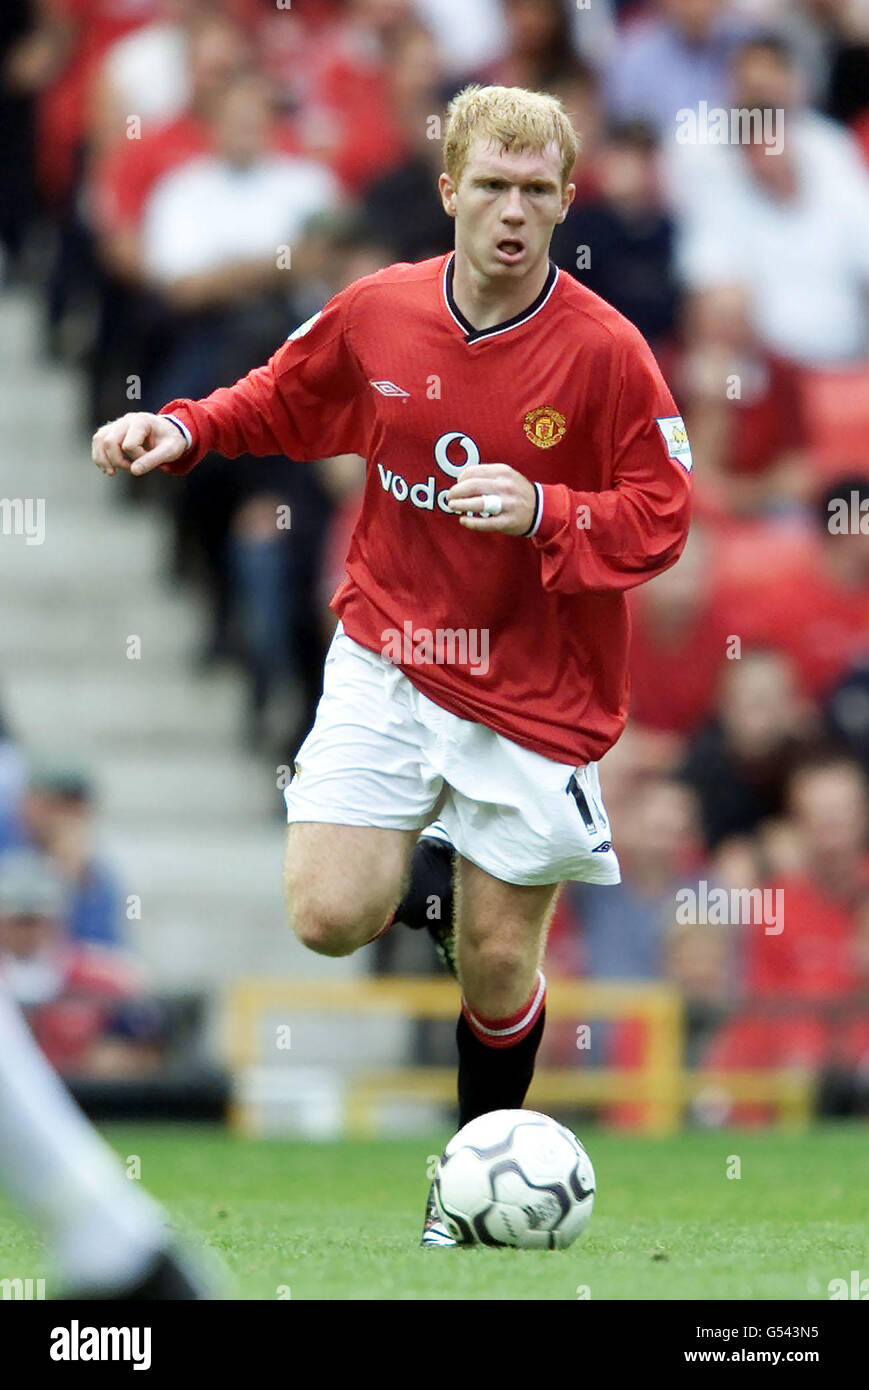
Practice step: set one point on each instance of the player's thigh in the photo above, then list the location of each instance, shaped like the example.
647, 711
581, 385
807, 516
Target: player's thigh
502, 929
342, 882
522, 817
362, 790
364, 764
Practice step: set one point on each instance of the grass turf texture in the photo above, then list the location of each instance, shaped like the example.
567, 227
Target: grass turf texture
342, 1220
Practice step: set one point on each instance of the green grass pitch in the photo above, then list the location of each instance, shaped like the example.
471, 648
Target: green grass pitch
341, 1220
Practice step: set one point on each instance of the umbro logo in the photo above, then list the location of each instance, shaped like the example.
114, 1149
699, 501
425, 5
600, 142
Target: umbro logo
603, 848
389, 388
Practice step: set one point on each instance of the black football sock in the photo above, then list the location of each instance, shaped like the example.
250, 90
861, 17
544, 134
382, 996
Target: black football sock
429, 896
496, 1056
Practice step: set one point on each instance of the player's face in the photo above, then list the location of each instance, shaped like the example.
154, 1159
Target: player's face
506, 206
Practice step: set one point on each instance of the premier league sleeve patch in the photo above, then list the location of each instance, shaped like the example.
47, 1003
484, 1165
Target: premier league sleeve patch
673, 429
305, 327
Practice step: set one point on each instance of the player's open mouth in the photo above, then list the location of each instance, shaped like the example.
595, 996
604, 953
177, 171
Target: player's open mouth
509, 250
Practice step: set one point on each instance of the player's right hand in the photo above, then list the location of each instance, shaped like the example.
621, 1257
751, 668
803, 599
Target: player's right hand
137, 442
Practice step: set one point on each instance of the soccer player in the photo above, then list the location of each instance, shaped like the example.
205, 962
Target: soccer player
526, 467
109, 1239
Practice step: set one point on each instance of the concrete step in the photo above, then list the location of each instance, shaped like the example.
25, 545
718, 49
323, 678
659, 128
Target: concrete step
198, 952
59, 469
188, 821
71, 551
74, 482
259, 901
40, 419
193, 953
19, 343
231, 860
36, 627
126, 703
204, 787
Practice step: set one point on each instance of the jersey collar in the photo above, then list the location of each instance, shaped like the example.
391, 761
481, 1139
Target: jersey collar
472, 334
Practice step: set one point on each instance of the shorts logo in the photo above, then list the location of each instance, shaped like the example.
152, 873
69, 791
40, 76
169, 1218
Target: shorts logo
673, 429
472, 453
545, 426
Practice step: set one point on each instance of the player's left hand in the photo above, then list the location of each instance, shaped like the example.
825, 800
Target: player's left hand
517, 496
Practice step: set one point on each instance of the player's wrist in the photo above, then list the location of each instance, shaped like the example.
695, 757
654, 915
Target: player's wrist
537, 515
556, 511
182, 428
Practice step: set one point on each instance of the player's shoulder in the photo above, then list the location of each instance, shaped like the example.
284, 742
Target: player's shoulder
401, 280
602, 326
370, 298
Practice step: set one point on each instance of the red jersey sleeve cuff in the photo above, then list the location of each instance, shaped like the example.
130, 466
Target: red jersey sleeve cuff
553, 511
181, 415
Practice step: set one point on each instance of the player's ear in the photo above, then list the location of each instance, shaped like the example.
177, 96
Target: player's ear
447, 190
566, 199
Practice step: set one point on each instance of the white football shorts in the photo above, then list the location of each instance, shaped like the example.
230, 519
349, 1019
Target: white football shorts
382, 754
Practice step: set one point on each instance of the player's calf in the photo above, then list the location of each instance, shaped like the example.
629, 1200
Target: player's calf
502, 930
501, 936
496, 974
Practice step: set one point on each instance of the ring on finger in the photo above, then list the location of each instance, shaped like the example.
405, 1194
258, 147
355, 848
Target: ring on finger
491, 504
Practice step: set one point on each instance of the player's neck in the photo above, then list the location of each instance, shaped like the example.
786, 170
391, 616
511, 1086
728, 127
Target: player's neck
486, 301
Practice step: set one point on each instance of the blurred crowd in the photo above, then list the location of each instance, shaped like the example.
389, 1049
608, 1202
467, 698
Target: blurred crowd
63, 949
156, 154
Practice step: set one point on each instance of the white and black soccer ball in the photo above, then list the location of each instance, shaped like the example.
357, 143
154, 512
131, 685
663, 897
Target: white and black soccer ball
515, 1177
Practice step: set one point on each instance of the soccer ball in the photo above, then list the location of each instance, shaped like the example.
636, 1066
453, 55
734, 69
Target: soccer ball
515, 1177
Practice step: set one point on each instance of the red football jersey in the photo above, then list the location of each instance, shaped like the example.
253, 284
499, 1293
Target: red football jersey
569, 394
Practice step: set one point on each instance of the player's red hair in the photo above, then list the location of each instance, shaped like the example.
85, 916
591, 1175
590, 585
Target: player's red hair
511, 117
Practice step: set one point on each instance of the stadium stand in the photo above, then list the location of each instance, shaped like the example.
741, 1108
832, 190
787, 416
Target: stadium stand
167, 639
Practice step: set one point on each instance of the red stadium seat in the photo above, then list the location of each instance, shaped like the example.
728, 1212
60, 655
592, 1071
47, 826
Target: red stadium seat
837, 417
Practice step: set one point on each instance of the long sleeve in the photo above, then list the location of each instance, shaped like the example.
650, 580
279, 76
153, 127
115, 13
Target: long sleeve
621, 536
306, 402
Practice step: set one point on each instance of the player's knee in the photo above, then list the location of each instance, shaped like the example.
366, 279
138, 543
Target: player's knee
322, 930
332, 929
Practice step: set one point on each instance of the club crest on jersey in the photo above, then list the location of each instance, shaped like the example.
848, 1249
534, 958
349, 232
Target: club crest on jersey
673, 429
545, 426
